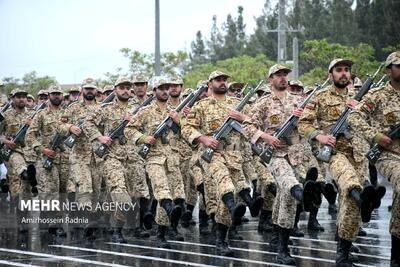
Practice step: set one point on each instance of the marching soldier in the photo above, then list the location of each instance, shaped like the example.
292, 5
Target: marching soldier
381, 108
119, 169
268, 114
226, 165
162, 163
349, 172
140, 83
44, 127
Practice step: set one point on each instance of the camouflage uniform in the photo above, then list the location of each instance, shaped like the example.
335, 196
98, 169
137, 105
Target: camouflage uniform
17, 163
325, 108
268, 114
226, 165
118, 165
382, 107
162, 163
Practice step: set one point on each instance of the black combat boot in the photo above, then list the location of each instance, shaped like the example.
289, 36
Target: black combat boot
313, 224
233, 233
161, 241
174, 234
364, 200
173, 212
139, 231
284, 256
253, 204
361, 232
295, 231
274, 238
395, 252
203, 222
149, 215
236, 210
342, 253
330, 194
265, 222
117, 236
222, 247
187, 216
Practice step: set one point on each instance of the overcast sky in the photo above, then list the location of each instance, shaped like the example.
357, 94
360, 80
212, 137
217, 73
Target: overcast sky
74, 39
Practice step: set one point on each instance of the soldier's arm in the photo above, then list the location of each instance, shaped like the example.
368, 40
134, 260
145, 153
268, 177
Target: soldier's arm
66, 121
252, 126
3, 129
92, 123
358, 117
32, 135
132, 131
306, 121
191, 128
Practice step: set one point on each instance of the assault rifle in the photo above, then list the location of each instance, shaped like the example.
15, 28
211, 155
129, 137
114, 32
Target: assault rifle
72, 138
19, 137
375, 152
265, 152
163, 129
228, 125
4, 109
118, 132
55, 143
341, 127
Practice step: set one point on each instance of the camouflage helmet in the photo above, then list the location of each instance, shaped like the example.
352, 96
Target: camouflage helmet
55, 89
122, 80
187, 92
296, 83
176, 80
31, 97
42, 92
157, 83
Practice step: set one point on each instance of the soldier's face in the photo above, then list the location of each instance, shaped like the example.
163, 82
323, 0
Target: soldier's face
140, 89
89, 93
219, 85
19, 100
279, 80
99, 97
123, 92
30, 103
394, 73
341, 75
56, 99
162, 92
296, 90
175, 90
73, 96
42, 98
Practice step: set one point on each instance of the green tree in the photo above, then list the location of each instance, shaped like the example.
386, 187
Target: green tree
199, 52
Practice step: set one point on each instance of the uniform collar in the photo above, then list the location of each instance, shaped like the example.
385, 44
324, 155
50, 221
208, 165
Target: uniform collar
343, 92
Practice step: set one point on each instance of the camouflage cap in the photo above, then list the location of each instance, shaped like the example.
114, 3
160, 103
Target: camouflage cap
187, 91
235, 83
160, 82
277, 67
73, 89
18, 91
216, 74
140, 78
176, 80
202, 83
393, 58
89, 83
99, 90
108, 88
65, 94
296, 83
357, 82
42, 92
339, 61
264, 88
122, 80
55, 89
31, 97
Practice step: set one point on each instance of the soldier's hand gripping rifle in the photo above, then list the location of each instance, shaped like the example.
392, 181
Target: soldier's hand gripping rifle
228, 126
55, 143
19, 137
163, 129
341, 127
265, 152
72, 138
118, 132
376, 150
4, 109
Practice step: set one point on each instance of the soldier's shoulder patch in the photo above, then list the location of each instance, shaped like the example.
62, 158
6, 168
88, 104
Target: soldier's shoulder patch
391, 118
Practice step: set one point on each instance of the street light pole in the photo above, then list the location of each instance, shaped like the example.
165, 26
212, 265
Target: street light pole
157, 67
